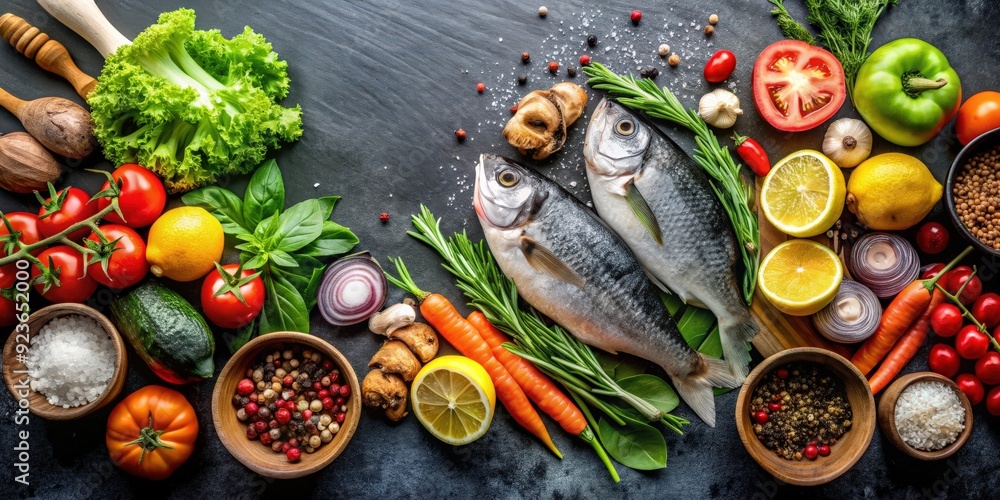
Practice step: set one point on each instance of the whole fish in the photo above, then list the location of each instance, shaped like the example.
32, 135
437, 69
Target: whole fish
663, 206
567, 264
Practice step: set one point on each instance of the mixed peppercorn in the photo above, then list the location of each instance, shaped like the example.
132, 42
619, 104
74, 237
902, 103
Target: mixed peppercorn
800, 410
292, 401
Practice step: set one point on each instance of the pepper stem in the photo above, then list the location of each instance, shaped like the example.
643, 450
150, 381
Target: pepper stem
914, 83
149, 439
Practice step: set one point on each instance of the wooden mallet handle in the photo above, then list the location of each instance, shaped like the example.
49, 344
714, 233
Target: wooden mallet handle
49, 54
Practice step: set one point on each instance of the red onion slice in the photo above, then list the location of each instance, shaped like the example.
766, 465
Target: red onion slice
353, 289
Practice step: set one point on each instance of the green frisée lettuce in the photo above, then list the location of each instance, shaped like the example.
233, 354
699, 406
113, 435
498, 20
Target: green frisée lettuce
191, 105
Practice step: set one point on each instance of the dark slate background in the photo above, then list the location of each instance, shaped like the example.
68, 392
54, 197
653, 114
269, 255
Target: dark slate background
383, 85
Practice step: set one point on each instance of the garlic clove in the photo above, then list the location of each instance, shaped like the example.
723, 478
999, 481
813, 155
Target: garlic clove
719, 108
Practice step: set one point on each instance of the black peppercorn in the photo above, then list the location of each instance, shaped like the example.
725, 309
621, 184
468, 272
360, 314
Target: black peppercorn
592, 41
649, 72
522, 79
571, 71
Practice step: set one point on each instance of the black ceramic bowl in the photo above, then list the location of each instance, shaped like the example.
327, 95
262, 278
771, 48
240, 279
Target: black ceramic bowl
980, 144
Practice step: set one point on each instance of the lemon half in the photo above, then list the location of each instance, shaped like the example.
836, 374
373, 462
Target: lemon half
454, 399
800, 277
803, 194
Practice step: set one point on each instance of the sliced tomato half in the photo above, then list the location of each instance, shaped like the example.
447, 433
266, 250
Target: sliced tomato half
797, 86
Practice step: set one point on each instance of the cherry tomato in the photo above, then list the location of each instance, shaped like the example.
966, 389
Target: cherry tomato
971, 343
931, 270
75, 207
957, 277
988, 368
142, 196
720, 66
24, 222
986, 309
979, 114
67, 263
126, 263
932, 238
226, 309
944, 359
797, 86
993, 401
8, 308
946, 320
971, 386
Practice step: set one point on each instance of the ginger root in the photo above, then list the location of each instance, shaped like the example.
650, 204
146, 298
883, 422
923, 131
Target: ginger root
539, 127
384, 390
394, 357
420, 338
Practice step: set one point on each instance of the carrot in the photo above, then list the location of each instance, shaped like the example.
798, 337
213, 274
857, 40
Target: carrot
905, 348
535, 384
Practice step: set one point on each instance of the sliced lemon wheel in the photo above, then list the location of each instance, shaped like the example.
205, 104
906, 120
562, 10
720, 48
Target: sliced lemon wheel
454, 399
800, 277
803, 195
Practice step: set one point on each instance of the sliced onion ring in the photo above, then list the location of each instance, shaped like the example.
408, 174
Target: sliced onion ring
353, 289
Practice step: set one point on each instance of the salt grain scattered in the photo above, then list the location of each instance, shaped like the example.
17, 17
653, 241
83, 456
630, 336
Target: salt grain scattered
929, 415
71, 361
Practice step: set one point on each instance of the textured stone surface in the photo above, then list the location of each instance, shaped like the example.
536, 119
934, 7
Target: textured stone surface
383, 85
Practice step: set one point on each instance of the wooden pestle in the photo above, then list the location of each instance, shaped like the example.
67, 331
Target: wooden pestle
59, 124
49, 54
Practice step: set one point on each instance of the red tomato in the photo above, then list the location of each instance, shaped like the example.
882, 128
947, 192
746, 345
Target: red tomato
932, 238
126, 263
797, 86
971, 386
142, 196
75, 207
67, 263
979, 114
226, 309
957, 277
720, 66
946, 320
971, 343
8, 308
993, 401
931, 270
986, 309
24, 222
944, 359
988, 368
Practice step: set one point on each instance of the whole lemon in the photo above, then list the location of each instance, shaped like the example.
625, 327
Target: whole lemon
184, 244
892, 192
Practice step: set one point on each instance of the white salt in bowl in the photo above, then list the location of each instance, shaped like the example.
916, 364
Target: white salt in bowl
887, 416
15, 371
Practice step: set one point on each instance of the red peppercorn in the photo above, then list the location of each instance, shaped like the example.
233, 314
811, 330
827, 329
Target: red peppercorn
584, 60
345, 391
273, 424
293, 454
635, 16
251, 408
327, 403
553, 67
823, 450
384, 217
317, 386
480, 87
260, 426
287, 381
782, 373
334, 389
328, 366
810, 451
774, 407
245, 387
294, 443
277, 363
285, 447
513, 109
251, 432
460, 134
283, 416
760, 417
323, 393
341, 417
266, 439
334, 377
525, 57
307, 414
339, 401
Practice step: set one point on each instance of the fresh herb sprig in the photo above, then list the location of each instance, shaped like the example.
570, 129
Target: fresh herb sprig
727, 181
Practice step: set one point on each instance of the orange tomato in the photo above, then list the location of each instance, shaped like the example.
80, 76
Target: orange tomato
979, 114
152, 432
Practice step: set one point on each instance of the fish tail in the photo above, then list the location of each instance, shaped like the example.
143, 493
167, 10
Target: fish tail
696, 389
734, 333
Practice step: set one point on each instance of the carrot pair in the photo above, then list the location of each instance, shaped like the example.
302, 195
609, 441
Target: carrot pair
905, 348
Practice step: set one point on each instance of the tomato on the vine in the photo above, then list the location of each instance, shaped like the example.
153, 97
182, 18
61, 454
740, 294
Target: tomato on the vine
957, 277
986, 309
797, 86
943, 359
931, 270
8, 308
122, 253
988, 368
142, 196
993, 401
231, 296
946, 320
65, 271
971, 343
24, 223
971, 386
979, 114
63, 209
720, 66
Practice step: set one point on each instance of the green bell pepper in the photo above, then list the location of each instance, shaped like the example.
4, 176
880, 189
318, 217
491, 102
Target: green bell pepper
907, 91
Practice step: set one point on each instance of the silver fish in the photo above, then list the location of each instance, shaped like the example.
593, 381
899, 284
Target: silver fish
662, 205
567, 264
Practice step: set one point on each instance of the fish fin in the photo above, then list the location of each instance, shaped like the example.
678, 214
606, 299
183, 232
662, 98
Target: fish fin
544, 260
659, 284
645, 214
696, 389
734, 335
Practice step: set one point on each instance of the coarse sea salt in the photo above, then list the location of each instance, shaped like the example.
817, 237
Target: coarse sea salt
929, 415
71, 361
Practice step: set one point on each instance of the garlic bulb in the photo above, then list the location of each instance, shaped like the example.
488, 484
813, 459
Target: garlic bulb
847, 142
719, 108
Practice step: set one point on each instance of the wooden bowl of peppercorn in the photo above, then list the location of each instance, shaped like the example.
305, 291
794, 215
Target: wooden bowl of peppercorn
295, 376
796, 373
968, 181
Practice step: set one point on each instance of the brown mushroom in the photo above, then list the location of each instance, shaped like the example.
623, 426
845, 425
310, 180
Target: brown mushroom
396, 414
381, 390
420, 338
395, 357
539, 126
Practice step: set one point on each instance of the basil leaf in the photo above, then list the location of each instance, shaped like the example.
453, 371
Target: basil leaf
281, 258
284, 309
306, 277
327, 202
253, 261
222, 204
333, 240
301, 224
694, 324
653, 389
637, 446
239, 338
265, 194
266, 234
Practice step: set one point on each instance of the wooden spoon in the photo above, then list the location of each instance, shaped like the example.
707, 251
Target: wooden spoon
49, 54
59, 124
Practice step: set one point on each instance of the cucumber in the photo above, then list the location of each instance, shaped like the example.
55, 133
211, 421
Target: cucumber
166, 331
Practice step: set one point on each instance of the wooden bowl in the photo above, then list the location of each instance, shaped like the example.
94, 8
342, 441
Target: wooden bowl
847, 450
15, 371
887, 416
259, 458
980, 144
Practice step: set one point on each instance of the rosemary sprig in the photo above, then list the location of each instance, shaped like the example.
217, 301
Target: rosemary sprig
727, 182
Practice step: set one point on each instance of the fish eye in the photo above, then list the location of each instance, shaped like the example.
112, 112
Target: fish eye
508, 178
625, 127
